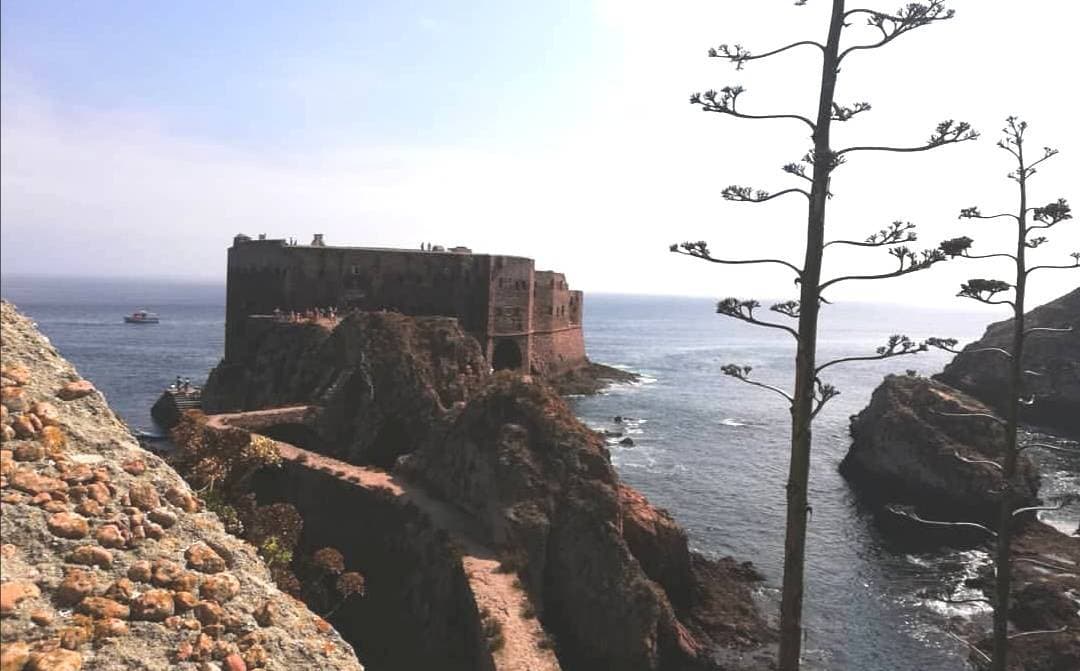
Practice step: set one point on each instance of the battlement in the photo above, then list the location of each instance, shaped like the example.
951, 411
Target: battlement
524, 319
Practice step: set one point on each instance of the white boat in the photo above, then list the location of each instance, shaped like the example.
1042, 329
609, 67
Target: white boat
142, 317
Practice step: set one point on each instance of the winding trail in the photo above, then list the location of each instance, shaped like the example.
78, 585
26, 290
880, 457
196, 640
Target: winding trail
495, 592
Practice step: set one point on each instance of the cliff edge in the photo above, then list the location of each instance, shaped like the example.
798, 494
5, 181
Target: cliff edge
108, 560
1053, 355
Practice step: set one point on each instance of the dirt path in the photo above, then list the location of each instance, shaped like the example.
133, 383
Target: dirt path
524, 641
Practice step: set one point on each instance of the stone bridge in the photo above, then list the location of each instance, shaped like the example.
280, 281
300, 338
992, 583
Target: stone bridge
502, 606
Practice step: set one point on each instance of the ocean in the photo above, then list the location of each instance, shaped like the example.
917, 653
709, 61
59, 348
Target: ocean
711, 450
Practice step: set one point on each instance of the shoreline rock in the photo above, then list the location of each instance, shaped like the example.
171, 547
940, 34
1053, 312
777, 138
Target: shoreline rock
590, 379
1046, 580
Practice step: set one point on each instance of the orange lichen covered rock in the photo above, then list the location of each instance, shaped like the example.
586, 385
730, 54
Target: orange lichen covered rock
12, 593
220, 587
13, 398
102, 607
91, 555
52, 438
16, 373
78, 473
75, 586
46, 412
203, 559
35, 483
14, 656
76, 389
154, 605
69, 525
56, 660
29, 451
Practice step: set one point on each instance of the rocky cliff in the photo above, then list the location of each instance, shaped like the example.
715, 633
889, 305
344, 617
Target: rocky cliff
908, 447
108, 560
611, 577
1054, 356
1045, 586
382, 380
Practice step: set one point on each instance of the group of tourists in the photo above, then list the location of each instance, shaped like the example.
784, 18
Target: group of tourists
183, 385
309, 315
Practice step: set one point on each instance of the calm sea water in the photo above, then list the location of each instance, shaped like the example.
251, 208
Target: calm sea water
711, 450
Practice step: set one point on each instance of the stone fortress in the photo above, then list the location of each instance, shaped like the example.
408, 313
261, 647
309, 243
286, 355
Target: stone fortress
524, 319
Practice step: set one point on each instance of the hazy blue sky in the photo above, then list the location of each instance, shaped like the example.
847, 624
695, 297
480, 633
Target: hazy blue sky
139, 137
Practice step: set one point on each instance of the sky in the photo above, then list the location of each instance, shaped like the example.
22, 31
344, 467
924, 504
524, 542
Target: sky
137, 138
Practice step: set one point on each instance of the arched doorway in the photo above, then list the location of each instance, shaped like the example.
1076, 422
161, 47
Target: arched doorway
506, 356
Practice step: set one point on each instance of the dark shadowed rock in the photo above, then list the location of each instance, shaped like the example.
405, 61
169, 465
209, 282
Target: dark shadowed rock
589, 379
1044, 589
905, 449
610, 576
382, 380
1055, 356
613, 576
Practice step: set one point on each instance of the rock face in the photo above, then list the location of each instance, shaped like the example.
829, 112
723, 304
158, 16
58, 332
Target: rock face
95, 532
1055, 356
612, 576
906, 450
383, 380
1045, 584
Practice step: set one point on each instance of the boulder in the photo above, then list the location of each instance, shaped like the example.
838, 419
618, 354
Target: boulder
1054, 356
75, 389
908, 448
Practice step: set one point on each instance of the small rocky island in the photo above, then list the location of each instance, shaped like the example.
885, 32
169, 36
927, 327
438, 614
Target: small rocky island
909, 448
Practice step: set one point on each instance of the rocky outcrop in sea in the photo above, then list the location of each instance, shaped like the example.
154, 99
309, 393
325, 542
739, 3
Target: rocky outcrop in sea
913, 445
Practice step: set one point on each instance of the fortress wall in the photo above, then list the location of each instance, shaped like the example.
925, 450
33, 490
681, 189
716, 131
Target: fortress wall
542, 300
511, 309
497, 299
576, 310
511, 295
557, 351
551, 309
256, 284
410, 282
268, 275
